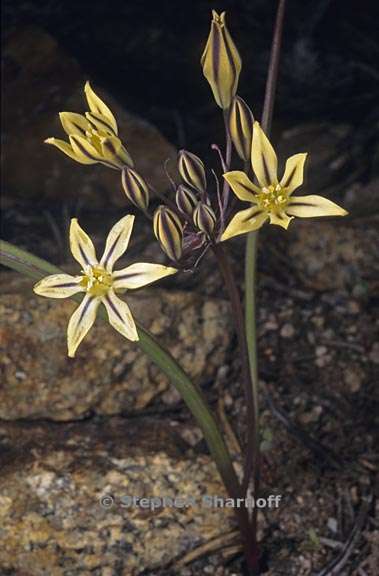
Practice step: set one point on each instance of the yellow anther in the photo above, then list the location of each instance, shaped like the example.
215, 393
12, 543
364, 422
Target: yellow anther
97, 281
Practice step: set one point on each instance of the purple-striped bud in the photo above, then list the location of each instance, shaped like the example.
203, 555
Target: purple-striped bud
192, 171
186, 200
204, 218
135, 188
168, 230
221, 62
241, 122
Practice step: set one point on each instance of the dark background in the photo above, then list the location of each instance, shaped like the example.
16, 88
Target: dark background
147, 54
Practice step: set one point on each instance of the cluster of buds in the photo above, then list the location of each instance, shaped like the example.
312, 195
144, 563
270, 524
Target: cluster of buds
190, 224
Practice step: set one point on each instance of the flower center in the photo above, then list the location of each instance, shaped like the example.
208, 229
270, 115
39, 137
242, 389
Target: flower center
93, 136
97, 281
274, 198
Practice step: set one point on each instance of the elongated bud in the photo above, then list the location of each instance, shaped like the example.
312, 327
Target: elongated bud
135, 188
186, 200
204, 218
221, 62
192, 171
168, 230
241, 122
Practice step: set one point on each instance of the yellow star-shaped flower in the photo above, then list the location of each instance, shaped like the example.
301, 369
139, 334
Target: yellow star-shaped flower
93, 137
100, 283
270, 198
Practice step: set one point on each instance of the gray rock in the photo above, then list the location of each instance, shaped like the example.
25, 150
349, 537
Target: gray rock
63, 498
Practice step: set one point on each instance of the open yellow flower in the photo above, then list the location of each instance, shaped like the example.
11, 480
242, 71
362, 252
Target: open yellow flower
93, 137
100, 283
270, 198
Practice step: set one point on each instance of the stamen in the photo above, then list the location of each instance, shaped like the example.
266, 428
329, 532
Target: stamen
97, 281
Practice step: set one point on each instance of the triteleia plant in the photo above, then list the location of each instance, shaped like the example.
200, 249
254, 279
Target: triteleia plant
203, 212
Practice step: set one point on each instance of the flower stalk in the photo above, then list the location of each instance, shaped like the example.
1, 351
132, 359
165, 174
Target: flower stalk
251, 258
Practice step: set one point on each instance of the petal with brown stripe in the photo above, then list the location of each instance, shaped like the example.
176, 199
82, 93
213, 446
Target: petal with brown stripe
313, 205
117, 241
81, 322
140, 274
59, 286
263, 158
120, 316
81, 245
245, 221
242, 186
294, 173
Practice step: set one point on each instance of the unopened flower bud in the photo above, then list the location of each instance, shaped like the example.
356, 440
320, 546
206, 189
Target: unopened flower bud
221, 62
204, 218
186, 200
168, 230
241, 122
192, 171
135, 188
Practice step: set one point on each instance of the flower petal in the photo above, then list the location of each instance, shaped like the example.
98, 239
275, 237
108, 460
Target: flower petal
309, 206
280, 219
294, 172
114, 152
140, 274
83, 149
263, 158
245, 221
117, 241
80, 323
97, 106
66, 148
81, 245
59, 286
100, 123
74, 123
241, 185
120, 316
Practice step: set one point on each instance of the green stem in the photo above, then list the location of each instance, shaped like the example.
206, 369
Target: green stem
251, 249
36, 268
238, 318
251, 339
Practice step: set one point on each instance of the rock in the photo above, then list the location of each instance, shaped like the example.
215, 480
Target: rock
374, 353
41, 81
287, 330
322, 142
63, 496
354, 378
331, 255
110, 375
